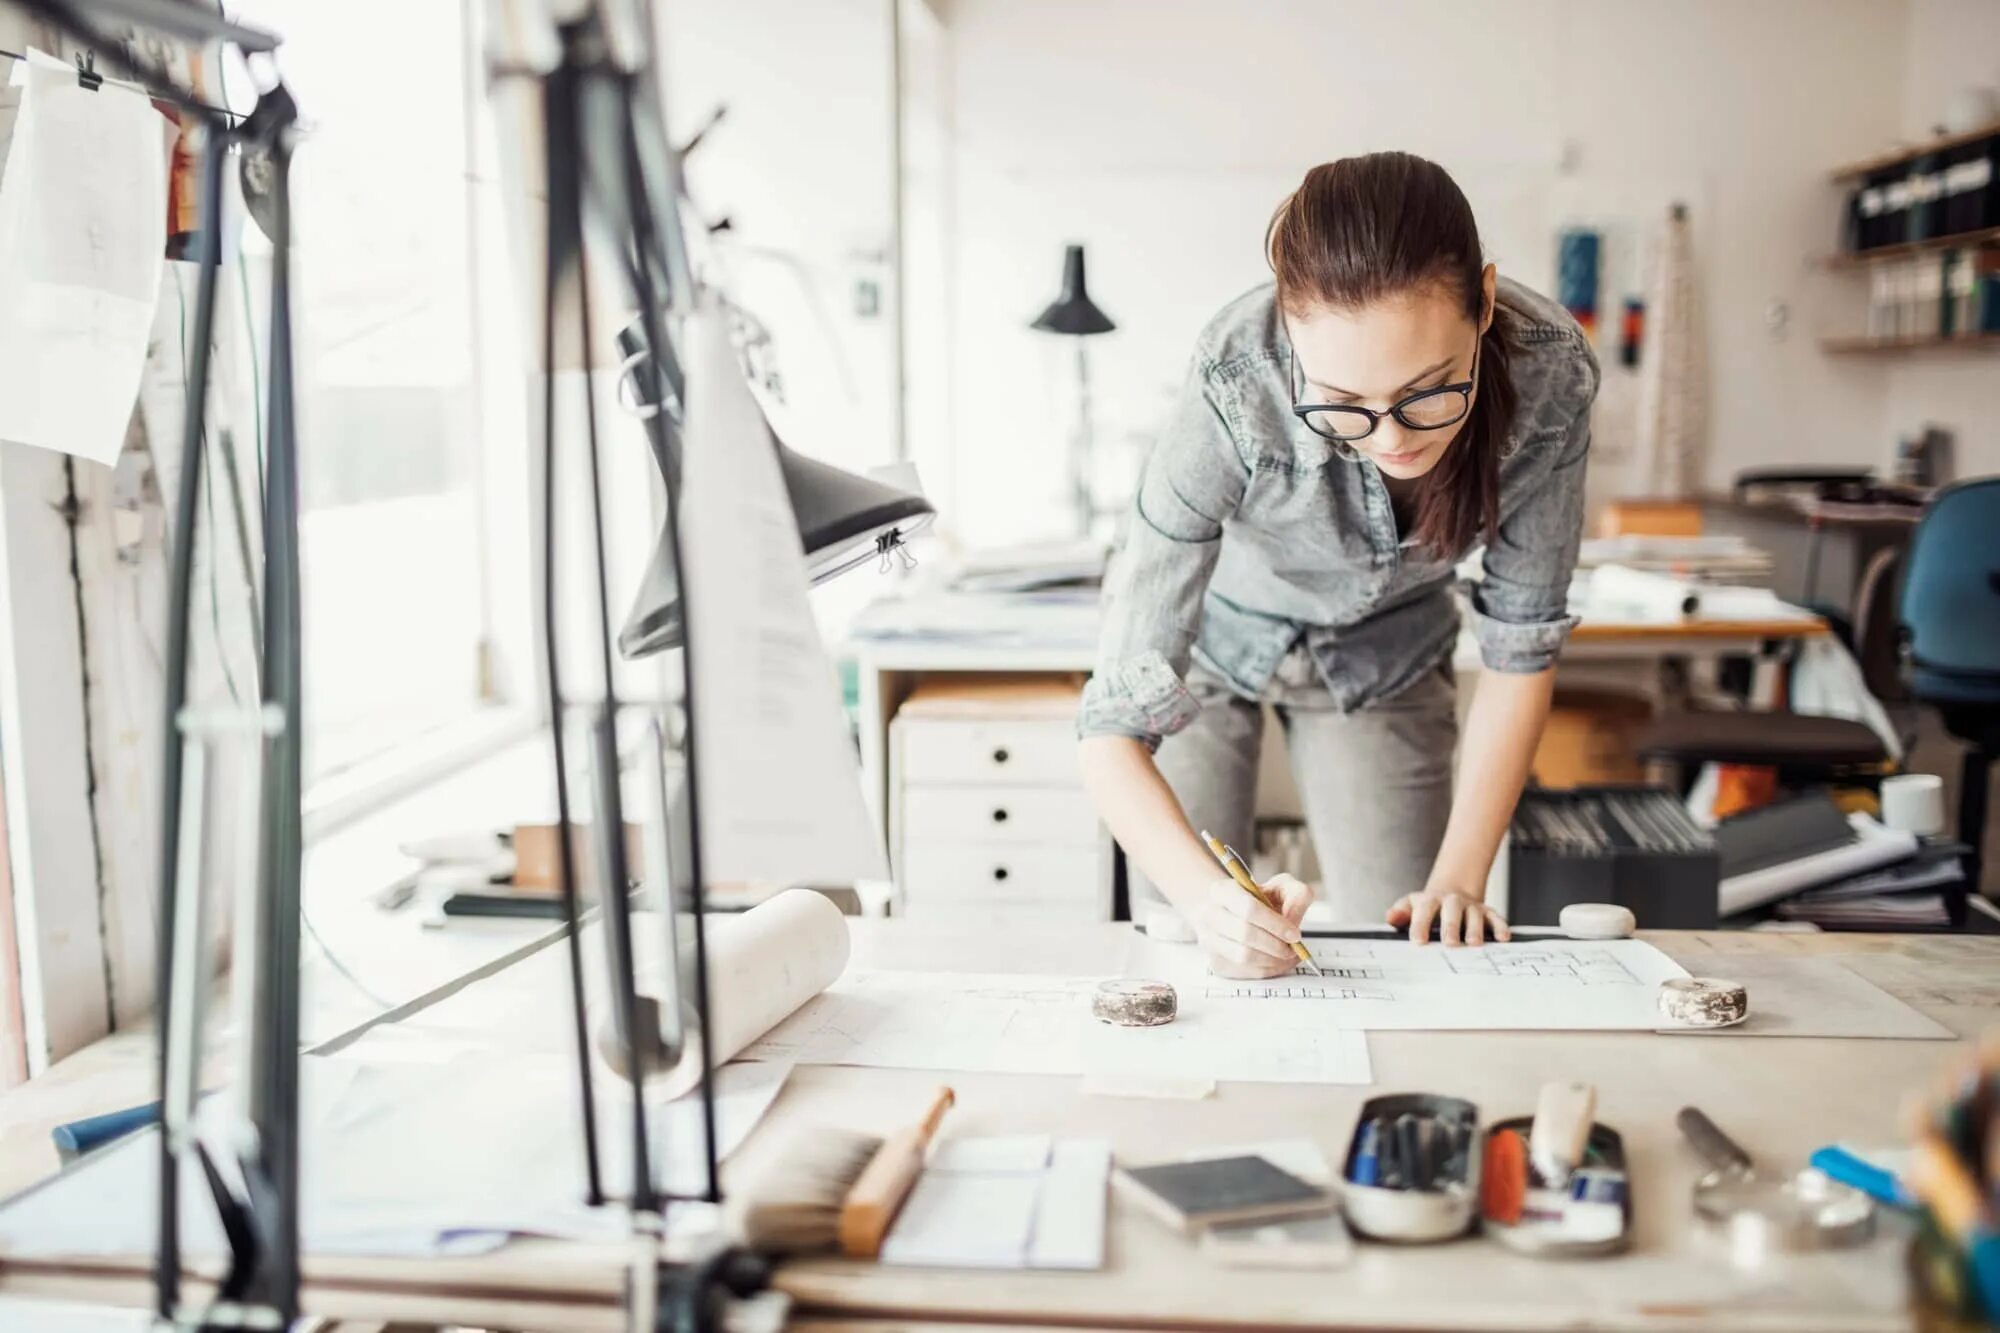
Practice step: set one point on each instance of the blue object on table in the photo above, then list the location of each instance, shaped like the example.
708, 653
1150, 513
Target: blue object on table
81, 1136
1859, 1173
1367, 1166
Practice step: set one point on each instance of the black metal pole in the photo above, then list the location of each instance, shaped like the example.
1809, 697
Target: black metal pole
208, 257
649, 245
588, 65
274, 1085
562, 239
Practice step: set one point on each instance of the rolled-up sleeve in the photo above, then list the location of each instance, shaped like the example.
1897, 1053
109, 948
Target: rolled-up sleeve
1191, 485
1520, 608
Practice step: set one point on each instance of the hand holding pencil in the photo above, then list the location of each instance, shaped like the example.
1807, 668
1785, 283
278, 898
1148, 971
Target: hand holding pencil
1249, 931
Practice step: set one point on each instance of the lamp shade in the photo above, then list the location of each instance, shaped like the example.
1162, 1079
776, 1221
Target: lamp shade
1074, 312
844, 520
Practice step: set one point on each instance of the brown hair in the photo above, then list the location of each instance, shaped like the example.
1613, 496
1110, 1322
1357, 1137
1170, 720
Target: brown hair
1384, 225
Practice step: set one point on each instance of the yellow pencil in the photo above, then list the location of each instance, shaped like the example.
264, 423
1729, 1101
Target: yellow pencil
1241, 874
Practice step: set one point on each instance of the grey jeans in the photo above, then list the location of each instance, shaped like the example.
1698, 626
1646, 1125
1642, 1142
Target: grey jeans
1375, 783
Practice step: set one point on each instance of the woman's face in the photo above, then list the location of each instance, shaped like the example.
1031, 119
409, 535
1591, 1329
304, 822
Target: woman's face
1379, 355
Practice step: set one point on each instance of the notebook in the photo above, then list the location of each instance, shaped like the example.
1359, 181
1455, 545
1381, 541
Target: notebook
1221, 1191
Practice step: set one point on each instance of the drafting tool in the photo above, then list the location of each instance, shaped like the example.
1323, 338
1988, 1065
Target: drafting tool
1240, 872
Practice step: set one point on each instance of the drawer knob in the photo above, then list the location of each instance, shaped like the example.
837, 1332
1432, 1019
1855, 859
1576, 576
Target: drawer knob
1000, 872
1000, 755
1000, 816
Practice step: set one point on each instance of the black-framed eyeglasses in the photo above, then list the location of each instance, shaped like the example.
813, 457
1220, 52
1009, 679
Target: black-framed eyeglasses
1430, 409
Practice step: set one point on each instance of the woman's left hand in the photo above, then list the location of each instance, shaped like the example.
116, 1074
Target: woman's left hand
1464, 917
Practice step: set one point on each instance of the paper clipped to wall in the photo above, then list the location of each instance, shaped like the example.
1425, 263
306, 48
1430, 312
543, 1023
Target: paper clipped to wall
83, 215
781, 787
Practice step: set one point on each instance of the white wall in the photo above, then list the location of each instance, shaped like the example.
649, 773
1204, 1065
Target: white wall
801, 169
1952, 43
1162, 133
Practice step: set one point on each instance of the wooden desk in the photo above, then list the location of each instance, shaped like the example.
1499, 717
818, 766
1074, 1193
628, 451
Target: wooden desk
1781, 1097
889, 670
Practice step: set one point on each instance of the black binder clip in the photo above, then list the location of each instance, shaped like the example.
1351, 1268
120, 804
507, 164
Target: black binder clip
86, 71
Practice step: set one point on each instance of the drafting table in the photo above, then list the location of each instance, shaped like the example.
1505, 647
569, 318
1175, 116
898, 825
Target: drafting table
1781, 1097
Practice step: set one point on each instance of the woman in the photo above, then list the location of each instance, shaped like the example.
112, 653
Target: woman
1345, 436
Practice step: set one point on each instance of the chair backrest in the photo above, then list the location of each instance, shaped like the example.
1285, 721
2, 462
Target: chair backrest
1951, 596
1878, 635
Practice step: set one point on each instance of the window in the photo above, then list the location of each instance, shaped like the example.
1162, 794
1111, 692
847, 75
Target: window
390, 412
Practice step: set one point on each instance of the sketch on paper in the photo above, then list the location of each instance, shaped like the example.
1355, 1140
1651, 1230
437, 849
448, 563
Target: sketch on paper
1038, 1024
1551, 984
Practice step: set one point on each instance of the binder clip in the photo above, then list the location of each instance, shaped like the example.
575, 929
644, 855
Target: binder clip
86, 71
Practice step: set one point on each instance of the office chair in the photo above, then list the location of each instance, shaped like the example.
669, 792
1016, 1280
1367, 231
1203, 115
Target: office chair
1950, 621
1805, 750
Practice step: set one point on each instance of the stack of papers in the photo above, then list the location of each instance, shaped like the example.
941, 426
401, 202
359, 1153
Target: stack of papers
1716, 559
1050, 621
1034, 568
1898, 897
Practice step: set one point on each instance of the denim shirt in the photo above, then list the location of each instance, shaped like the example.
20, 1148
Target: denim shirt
1250, 533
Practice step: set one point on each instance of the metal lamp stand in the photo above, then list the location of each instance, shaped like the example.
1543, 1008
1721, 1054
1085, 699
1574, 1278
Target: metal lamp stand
256, 1198
609, 165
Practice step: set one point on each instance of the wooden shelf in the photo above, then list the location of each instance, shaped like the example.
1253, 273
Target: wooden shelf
1970, 342
1883, 254
1881, 160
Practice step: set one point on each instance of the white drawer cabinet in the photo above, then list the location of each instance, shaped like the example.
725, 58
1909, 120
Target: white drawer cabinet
988, 817
1016, 816
1027, 752
1004, 878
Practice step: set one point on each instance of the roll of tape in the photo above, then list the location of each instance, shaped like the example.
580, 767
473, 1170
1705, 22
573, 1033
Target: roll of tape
1164, 923
1134, 1004
1703, 1002
1597, 921
1914, 802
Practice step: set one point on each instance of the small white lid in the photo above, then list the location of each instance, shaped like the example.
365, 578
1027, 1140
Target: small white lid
1597, 921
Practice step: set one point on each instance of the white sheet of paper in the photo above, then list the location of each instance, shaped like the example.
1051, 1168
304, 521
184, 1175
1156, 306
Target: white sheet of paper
966, 1220
83, 216
1013, 1201
404, 1159
781, 788
998, 1152
1069, 1217
1817, 997
1391, 984
1032, 1024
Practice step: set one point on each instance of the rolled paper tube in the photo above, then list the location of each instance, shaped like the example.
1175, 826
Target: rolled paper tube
1656, 596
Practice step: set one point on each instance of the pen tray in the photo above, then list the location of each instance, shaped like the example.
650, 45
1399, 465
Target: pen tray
1604, 1149
1414, 1215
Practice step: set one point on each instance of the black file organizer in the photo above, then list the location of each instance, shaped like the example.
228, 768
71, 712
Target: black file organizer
1633, 846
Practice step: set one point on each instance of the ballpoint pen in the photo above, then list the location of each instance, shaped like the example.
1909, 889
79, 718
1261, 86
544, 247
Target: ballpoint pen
1241, 874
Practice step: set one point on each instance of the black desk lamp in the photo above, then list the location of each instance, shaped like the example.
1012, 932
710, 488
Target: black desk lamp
1075, 315
844, 520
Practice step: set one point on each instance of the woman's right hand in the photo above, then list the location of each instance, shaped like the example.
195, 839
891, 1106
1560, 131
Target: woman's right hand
1241, 937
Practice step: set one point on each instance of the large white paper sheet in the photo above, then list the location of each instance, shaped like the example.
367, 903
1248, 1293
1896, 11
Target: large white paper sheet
1033, 1024
781, 787
83, 216
1387, 984
450, 1157
1817, 997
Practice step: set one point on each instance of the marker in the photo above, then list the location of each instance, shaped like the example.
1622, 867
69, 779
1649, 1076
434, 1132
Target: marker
1367, 1166
1876, 1182
1409, 1151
